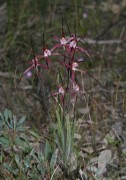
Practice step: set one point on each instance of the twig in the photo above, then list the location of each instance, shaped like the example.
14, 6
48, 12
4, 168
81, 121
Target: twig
54, 172
100, 42
8, 75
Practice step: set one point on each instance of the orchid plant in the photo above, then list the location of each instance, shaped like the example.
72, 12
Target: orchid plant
64, 59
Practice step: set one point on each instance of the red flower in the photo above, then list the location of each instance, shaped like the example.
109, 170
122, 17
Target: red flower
34, 64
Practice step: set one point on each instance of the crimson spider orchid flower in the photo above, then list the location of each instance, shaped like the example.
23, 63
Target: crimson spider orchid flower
73, 45
34, 64
75, 88
74, 92
61, 91
63, 42
73, 67
47, 53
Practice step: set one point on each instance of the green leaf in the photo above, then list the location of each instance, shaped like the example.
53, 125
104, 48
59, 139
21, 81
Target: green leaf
17, 159
1, 117
27, 162
20, 129
7, 116
41, 169
21, 121
32, 153
2, 122
18, 162
54, 159
4, 141
10, 114
34, 134
47, 150
9, 168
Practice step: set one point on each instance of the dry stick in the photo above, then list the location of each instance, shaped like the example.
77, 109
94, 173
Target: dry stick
121, 34
103, 42
7, 75
54, 172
